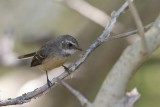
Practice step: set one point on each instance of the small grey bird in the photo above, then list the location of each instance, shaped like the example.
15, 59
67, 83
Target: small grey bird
54, 53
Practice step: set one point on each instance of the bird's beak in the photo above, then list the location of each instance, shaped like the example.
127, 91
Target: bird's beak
80, 49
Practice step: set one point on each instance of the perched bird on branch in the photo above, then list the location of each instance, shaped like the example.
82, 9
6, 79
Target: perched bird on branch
53, 54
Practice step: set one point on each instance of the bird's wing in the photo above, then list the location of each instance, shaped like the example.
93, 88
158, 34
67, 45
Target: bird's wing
27, 55
39, 57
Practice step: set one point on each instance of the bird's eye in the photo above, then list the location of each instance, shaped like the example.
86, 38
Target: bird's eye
70, 45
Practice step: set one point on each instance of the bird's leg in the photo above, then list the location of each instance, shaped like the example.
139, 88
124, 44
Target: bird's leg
48, 81
66, 69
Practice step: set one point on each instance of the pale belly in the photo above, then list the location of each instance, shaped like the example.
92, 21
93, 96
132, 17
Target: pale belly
50, 64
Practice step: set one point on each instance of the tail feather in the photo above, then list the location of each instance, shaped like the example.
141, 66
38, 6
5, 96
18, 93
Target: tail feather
27, 55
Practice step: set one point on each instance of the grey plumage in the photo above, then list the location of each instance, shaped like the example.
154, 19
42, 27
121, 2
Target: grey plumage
53, 53
56, 47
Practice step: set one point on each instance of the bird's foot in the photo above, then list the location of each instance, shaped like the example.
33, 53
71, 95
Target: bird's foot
66, 69
49, 83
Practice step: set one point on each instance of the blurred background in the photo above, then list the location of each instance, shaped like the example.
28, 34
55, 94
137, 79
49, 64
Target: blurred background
26, 24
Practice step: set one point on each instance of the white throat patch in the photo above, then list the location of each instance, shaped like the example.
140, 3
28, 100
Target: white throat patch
70, 51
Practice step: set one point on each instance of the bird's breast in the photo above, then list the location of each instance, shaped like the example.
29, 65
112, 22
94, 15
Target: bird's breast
51, 63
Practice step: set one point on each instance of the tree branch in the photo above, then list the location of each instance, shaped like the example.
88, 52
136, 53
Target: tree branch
112, 92
132, 97
83, 100
139, 25
130, 33
92, 13
39, 91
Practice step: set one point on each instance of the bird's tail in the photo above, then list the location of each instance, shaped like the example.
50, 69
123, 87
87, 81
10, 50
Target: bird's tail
27, 55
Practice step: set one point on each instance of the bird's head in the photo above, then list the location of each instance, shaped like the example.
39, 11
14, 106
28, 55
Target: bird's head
69, 45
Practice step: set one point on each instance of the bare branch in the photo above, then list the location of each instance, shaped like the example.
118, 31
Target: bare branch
139, 25
130, 33
39, 91
114, 86
92, 13
83, 100
89, 11
132, 97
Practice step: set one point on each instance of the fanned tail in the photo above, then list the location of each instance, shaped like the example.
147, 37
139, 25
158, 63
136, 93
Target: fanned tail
27, 55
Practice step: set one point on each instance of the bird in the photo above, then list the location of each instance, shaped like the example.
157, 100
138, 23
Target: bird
53, 54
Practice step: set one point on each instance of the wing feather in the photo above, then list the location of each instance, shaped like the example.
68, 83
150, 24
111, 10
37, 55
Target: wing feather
38, 58
27, 55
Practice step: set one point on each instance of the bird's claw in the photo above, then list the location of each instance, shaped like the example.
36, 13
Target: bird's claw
66, 69
49, 83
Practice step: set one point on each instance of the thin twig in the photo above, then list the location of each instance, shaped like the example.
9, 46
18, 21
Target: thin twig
126, 34
83, 100
39, 91
138, 24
